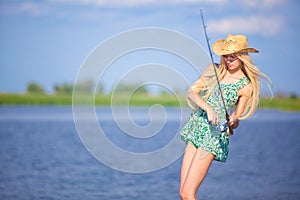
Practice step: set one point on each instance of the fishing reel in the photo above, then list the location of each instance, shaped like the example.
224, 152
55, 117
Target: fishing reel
222, 127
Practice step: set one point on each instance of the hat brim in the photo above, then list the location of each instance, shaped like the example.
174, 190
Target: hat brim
219, 49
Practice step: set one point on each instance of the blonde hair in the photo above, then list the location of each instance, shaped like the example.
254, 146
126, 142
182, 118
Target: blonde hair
207, 82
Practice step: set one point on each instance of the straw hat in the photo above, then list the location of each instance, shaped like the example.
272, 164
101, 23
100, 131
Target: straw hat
232, 44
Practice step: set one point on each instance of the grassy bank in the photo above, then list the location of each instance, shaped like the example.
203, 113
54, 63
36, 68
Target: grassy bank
282, 103
288, 104
101, 100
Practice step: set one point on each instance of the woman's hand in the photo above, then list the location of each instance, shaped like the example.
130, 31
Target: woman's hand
212, 116
233, 122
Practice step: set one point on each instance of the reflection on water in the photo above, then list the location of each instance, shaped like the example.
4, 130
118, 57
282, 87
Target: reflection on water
42, 157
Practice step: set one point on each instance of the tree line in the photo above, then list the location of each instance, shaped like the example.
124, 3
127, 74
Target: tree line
86, 86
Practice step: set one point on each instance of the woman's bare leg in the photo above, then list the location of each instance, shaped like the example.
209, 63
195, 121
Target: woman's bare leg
189, 153
195, 174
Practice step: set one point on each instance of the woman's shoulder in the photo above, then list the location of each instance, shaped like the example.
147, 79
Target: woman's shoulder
246, 90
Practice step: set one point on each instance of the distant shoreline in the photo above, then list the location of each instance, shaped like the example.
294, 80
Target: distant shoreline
281, 103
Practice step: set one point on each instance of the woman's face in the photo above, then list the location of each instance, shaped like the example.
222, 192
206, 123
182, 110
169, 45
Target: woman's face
232, 62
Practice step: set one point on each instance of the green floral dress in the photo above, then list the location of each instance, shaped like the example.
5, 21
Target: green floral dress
199, 132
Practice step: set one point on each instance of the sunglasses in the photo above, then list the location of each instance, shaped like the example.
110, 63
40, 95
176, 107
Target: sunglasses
230, 58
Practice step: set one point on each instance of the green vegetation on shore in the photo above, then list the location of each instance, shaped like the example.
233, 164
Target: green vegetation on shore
99, 100
282, 103
36, 95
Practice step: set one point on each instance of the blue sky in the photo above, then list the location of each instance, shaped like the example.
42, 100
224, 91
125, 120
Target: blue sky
46, 41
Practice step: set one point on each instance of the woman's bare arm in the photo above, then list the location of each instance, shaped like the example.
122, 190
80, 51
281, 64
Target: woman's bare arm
244, 95
193, 95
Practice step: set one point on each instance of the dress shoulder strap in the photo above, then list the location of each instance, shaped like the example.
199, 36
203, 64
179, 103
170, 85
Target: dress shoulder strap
242, 82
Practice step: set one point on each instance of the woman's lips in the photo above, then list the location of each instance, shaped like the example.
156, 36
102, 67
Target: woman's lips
229, 64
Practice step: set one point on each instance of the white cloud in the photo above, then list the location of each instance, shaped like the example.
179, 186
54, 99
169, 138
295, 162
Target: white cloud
37, 8
132, 3
262, 3
31, 8
260, 25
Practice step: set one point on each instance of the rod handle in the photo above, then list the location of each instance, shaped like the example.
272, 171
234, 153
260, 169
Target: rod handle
229, 131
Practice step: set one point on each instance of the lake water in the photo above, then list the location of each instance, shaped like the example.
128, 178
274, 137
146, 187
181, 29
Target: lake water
42, 157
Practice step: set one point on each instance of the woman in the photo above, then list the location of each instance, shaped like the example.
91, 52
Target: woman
239, 81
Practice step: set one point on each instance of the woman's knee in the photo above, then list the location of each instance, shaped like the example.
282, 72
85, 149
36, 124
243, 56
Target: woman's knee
186, 194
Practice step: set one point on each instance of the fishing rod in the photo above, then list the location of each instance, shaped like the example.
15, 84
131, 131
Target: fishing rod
222, 127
